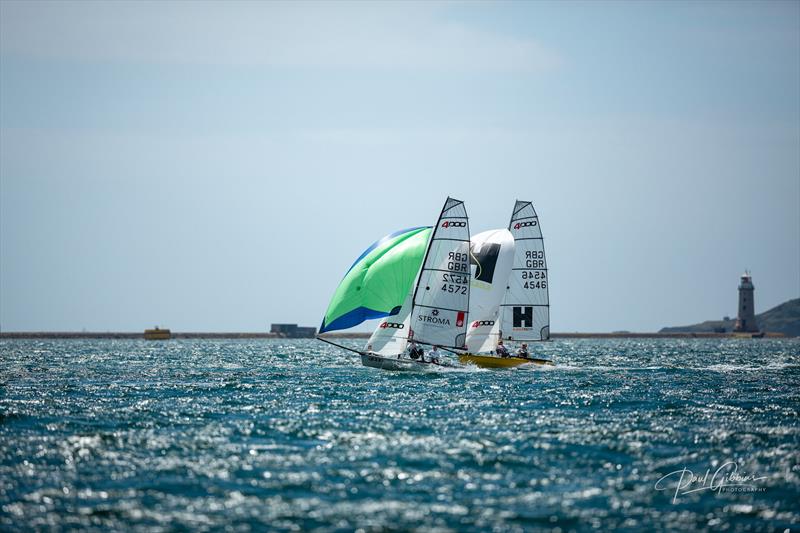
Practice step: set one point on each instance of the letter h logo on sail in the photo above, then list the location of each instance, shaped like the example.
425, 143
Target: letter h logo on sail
521, 316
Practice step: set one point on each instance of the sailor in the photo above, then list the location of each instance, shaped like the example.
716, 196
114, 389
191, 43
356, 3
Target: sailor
434, 355
501, 350
523, 351
369, 348
415, 352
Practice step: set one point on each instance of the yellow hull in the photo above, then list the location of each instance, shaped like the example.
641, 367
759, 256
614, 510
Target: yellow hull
493, 361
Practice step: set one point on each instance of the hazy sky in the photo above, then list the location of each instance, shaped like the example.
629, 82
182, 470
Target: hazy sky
218, 166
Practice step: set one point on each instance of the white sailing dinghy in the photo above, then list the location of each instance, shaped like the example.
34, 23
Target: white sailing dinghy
386, 281
441, 297
524, 314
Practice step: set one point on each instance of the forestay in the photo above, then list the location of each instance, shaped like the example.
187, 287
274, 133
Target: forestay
525, 314
441, 298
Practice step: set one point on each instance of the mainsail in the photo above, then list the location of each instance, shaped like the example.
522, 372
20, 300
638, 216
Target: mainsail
379, 281
525, 314
491, 258
441, 297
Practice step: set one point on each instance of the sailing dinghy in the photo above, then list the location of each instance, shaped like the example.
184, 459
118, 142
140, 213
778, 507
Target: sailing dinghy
384, 282
524, 314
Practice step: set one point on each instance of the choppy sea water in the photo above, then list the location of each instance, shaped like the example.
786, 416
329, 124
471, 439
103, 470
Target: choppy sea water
296, 435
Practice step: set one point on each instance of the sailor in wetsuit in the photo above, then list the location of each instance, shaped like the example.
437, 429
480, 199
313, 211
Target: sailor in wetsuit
501, 350
415, 352
434, 355
523, 351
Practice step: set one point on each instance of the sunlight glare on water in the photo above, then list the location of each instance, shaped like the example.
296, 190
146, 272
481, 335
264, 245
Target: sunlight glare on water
295, 434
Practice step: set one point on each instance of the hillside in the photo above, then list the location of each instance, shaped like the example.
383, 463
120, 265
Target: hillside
784, 318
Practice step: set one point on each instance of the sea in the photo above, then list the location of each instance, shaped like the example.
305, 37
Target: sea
296, 435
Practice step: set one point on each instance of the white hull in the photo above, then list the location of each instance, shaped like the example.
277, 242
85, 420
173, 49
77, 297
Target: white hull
393, 363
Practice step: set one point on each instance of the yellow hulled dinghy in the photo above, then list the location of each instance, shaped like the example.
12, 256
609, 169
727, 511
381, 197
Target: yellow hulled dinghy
515, 305
494, 361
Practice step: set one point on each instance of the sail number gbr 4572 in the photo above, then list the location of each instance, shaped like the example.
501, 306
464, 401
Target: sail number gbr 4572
456, 279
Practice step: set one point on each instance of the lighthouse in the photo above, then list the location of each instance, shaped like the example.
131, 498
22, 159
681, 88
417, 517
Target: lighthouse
746, 319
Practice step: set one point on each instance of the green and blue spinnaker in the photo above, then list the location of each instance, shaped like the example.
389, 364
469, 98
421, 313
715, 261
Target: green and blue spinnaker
379, 281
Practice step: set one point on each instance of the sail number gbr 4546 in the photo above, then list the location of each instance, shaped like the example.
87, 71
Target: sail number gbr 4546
536, 278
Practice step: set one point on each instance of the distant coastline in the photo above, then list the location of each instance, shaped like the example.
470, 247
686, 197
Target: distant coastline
234, 335
783, 318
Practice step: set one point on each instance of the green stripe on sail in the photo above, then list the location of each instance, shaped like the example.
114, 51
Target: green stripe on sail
379, 282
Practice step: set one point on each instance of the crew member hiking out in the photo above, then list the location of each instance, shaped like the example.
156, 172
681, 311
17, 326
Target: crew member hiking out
415, 352
501, 350
434, 355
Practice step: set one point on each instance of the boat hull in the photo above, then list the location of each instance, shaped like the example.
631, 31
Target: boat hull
494, 361
393, 363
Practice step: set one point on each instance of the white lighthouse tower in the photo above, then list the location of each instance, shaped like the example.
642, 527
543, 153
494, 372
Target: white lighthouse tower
746, 319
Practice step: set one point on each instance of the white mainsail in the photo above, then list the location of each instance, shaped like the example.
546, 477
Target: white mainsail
492, 257
525, 311
441, 297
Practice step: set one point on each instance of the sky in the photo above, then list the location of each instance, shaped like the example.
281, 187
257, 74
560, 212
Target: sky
212, 166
